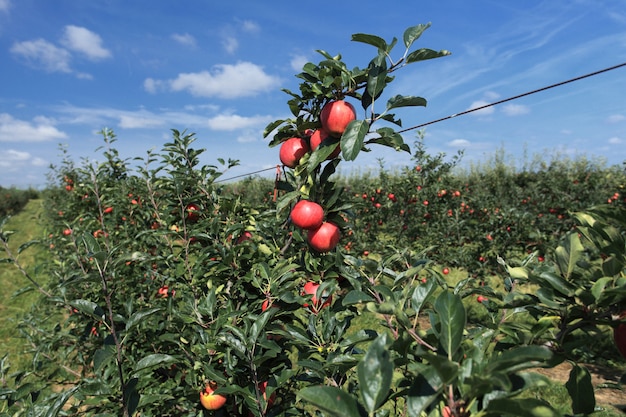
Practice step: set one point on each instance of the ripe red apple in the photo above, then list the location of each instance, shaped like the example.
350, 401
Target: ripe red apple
325, 237
310, 288
336, 115
245, 236
445, 271
266, 304
318, 137
292, 150
108, 210
193, 212
209, 400
307, 214
67, 232
262, 389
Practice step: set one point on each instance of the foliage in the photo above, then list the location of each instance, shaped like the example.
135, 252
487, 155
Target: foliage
12, 200
164, 281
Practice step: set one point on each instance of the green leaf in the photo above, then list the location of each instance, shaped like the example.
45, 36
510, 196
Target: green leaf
374, 372
26, 245
88, 307
331, 400
580, 390
568, 254
413, 33
131, 395
373, 40
421, 394
452, 318
405, 101
447, 370
259, 324
518, 358
598, 287
102, 356
271, 127
521, 407
154, 360
421, 294
139, 316
548, 279
353, 138
377, 76
390, 138
356, 297
424, 54
55, 408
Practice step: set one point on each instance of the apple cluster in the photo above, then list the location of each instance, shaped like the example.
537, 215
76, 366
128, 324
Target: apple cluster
335, 116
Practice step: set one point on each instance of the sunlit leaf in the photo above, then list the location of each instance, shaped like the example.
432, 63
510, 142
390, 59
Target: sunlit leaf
424, 54
413, 33
331, 400
373, 40
353, 138
452, 318
405, 101
374, 373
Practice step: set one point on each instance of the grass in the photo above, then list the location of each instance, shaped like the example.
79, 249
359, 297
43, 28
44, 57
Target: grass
26, 225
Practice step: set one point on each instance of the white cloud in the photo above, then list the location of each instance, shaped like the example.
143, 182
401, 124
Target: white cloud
482, 112
250, 26
39, 162
39, 130
43, 54
12, 160
456, 143
152, 86
243, 79
249, 135
515, 109
130, 119
236, 122
5, 5
616, 118
615, 141
137, 122
297, 62
491, 96
84, 41
230, 44
184, 39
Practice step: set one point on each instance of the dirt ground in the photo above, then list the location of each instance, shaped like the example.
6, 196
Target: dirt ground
605, 396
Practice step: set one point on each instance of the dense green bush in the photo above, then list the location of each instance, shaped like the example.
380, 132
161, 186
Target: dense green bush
12, 200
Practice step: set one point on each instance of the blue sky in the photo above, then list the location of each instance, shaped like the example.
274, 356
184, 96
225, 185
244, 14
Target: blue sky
71, 68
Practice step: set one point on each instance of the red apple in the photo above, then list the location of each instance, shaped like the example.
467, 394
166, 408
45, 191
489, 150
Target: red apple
445, 271
336, 115
266, 304
193, 212
209, 400
262, 389
307, 215
245, 236
310, 288
67, 232
292, 150
325, 237
318, 137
